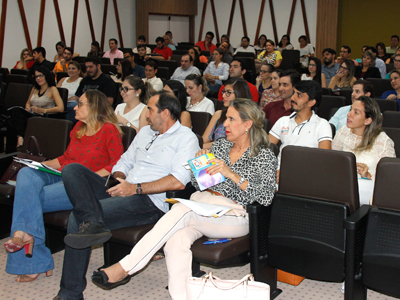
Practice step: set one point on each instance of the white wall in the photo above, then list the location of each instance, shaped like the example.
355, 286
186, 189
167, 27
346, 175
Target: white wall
14, 40
282, 10
159, 24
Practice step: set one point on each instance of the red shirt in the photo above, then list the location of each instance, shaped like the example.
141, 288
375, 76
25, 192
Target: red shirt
275, 110
28, 65
95, 152
166, 52
253, 90
202, 45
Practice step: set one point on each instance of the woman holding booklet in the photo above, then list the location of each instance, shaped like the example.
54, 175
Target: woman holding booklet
95, 143
249, 167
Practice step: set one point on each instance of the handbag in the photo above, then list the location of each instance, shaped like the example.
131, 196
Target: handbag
213, 288
12, 171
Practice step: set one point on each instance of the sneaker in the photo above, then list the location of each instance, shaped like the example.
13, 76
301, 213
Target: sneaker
90, 233
342, 288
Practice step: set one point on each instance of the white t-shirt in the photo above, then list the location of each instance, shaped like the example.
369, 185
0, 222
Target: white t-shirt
305, 77
205, 105
307, 50
155, 82
133, 115
249, 49
71, 86
307, 134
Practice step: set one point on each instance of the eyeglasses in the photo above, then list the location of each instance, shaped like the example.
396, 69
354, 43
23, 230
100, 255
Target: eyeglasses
128, 56
125, 89
151, 142
228, 93
81, 103
343, 68
263, 71
396, 60
39, 76
312, 65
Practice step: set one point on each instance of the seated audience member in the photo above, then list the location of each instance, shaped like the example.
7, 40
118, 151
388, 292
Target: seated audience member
306, 50
216, 71
39, 55
345, 77
234, 88
363, 136
391, 59
394, 44
245, 46
261, 44
381, 51
178, 89
207, 44
249, 180
329, 68
141, 41
124, 69
37, 191
71, 83
150, 71
114, 52
303, 127
196, 88
137, 70
263, 81
270, 55
96, 80
60, 46
274, 111
196, 60
202, 58
164, 146
170, 36
396, 62
44, 98
395, 82
167, 43
379, 63
360, 88
185, 69
135, 94
315, 72
62, 65
363, 49
272, 94
225, 39
367, 68
345, 53
224, 47
95, 50
237, 69
142, 56
284, 44
165, 52
25, 60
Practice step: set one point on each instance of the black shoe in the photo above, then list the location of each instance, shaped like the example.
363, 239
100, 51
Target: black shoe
60, 298
101, 280
90, 233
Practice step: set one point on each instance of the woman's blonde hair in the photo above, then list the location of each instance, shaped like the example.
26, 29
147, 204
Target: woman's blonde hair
22, 53
371, 131
352, 70
99, 113
249, 110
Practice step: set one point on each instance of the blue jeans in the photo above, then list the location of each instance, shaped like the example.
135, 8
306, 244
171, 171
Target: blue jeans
36, 192
85, 189
214, 88
71, 111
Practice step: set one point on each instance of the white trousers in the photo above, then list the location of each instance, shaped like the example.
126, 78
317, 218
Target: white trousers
178, 230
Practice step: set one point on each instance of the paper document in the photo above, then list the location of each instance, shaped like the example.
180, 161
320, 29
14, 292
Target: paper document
37, 165
204, 209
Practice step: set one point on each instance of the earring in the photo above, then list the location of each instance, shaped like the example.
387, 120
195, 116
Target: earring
247, 131
137, 95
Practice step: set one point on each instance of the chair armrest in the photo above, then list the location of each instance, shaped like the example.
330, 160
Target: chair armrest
357, 219
184, 194
5, 162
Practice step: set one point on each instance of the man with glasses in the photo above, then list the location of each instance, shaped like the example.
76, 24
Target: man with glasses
151, 166
227, 55
185, 69
138, 70
96, 80
396, 62
207, 44
345, 53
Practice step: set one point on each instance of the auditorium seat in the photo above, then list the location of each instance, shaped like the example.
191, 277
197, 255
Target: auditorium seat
394, 134
391, 119
380, 86
385, 104
327, 103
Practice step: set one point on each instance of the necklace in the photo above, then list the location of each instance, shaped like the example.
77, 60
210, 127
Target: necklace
40, 95
195, 104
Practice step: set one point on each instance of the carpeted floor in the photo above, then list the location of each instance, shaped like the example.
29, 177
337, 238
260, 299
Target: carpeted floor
148, 284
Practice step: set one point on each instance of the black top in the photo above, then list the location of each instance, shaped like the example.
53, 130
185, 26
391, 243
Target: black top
372, 72
103, 83
45, 63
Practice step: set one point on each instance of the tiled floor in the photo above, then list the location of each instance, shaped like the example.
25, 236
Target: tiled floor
148, 284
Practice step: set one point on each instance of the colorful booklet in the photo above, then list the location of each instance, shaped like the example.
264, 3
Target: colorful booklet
37, 165
199, 165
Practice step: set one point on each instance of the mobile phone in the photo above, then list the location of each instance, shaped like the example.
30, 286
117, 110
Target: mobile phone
111, 181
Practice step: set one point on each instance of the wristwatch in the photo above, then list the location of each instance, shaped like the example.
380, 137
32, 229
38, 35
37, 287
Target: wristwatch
139, 188
129, 124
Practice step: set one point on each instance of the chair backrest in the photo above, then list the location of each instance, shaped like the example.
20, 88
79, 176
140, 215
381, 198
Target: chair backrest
61, 75
20, 71
251, 65
107, 68
380, 86
116, 60
127, 138
177, 58
329, 102
79, 59
200, 121
391, 118
4, 72
321, 174
105, 60
171, 64
164, 72
387, 187
200, 138
17, 95
52, 135
118, 97
180, 52
245, 54
3, 90
389, 68
64, 96
394, 134
385, 104
326, 91
290, 59
205, 53
346, 92
267, 125
17, 78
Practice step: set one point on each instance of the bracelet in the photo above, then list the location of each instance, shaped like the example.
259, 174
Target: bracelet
45, 111
241, 181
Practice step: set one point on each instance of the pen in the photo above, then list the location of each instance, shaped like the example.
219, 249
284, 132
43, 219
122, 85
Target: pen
220, 241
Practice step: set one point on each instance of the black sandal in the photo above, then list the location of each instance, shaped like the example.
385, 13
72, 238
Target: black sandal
101, 280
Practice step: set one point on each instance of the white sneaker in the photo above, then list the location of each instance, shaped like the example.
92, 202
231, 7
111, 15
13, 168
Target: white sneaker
342, 288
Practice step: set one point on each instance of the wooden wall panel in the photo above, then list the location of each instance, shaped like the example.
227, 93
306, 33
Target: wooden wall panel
327, 24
